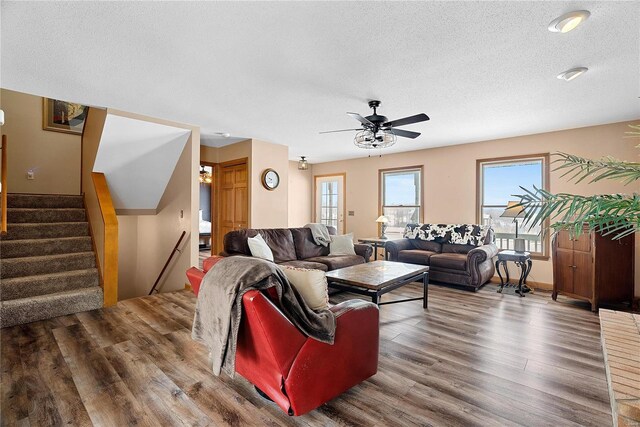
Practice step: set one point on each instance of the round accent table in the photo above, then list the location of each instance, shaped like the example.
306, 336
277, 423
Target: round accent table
522, 260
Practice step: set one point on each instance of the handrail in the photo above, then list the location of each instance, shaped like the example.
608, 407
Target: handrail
3, 183
166, 264
110, 241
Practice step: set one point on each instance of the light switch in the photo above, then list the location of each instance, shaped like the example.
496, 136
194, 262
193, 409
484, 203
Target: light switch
31, 174
352, 213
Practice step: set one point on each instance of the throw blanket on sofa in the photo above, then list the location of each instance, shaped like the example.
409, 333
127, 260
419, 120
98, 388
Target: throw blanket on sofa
320, 233
460, 234
219, 307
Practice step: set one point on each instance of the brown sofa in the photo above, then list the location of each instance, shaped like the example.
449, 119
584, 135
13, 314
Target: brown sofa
295, 247
467, 266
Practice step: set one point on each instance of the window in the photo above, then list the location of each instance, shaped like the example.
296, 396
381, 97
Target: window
401, 197
498, 181
329, 203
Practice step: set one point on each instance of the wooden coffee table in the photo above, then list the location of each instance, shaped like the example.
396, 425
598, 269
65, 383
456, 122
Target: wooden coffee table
376, 278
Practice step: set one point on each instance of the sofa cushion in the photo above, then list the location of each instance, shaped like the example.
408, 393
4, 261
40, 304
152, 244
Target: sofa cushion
415, 256
259, 248
342, 245
305, 264
311, 284
449, 260
334, 262
426, 245
305, 246
280, 240
457, 249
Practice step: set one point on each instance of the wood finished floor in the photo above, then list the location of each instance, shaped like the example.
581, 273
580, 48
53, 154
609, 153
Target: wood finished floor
471, 359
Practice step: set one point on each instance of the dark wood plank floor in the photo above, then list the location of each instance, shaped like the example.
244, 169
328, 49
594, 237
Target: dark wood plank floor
481, 359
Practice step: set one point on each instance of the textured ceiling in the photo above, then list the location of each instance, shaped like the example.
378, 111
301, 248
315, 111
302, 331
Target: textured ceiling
283, 71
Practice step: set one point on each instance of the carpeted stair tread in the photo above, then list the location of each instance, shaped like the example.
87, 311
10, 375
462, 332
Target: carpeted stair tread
31, 286
41, 247
46, 230
34, 215
15, 200
30, 266
25, 310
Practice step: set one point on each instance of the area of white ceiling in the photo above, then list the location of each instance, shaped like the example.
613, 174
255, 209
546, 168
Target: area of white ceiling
284, 71
138, 159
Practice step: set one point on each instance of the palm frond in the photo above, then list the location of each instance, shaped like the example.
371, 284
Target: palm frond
579, 168
611, 214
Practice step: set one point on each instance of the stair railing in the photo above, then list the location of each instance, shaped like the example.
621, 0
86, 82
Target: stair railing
108, 241
3, 184
176, 248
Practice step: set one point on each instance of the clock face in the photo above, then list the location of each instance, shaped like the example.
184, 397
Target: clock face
270, 179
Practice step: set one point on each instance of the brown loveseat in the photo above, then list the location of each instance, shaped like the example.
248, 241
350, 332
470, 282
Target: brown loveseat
295, 247
466, 265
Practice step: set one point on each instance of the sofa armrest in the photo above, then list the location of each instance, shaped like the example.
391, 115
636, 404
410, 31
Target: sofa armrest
395, 246
480, 264
364, 250
195, 276
482, 253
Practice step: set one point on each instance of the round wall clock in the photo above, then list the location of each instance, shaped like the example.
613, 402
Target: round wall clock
270, 179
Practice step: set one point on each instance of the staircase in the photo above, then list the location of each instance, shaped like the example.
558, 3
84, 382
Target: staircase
47, 263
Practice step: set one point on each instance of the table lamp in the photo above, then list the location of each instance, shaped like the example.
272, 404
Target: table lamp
515, 210
383, 220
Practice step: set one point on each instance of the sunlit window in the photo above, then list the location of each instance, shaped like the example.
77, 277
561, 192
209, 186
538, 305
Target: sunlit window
401, 197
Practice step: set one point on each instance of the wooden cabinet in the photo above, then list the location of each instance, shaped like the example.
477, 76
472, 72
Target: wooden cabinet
593, 267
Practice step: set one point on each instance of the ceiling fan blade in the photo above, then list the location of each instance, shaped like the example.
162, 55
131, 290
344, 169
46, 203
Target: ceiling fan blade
404, 133
361, 119
422, 117
341, 130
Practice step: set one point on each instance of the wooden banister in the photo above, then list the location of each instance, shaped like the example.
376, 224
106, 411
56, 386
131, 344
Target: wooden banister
110, 253
3, 182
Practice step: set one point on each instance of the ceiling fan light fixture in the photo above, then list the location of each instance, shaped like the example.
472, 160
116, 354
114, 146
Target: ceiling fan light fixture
572, 73
303, 165
369, 140
568, 21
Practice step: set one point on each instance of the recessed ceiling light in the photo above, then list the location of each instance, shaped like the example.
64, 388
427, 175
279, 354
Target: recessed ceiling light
572, 73
223, 134
568, 21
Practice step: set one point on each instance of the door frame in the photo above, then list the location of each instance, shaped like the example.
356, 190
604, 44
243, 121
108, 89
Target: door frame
344, 197
217, 179
212, 199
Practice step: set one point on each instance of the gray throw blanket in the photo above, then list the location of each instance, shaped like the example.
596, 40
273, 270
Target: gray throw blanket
219, 307
320, 233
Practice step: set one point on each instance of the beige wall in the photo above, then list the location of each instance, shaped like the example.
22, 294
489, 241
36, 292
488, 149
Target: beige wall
53, 156
450, 177
300, 190
147, 240
267, 209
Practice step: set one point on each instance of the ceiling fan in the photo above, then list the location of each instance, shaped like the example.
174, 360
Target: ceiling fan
379, 132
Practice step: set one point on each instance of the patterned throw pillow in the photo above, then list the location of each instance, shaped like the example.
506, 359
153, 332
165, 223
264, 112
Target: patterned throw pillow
459, 234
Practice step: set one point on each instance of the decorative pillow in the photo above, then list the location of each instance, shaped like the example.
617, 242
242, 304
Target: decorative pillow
342, 245
310, 284
460, 234
259, 248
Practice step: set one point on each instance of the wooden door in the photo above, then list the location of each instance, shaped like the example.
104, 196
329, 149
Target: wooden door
563, 269
234, 199
582, 274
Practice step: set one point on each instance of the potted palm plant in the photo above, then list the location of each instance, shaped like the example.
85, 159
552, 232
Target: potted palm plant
617, 215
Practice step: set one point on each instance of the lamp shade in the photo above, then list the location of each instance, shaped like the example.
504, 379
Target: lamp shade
383, 219
513, 210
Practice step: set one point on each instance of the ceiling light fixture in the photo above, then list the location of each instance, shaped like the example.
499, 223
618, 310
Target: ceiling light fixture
223, 134
572, 73
205, 176
369, 139
303, 165
568, 21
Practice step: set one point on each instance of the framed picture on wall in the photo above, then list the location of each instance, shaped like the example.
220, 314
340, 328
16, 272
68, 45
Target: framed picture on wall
63, 116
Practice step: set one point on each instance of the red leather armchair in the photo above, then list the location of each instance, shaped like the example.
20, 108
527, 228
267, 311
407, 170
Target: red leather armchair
297, 372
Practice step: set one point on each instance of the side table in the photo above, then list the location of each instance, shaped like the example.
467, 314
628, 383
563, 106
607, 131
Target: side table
522, 260
376, 242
